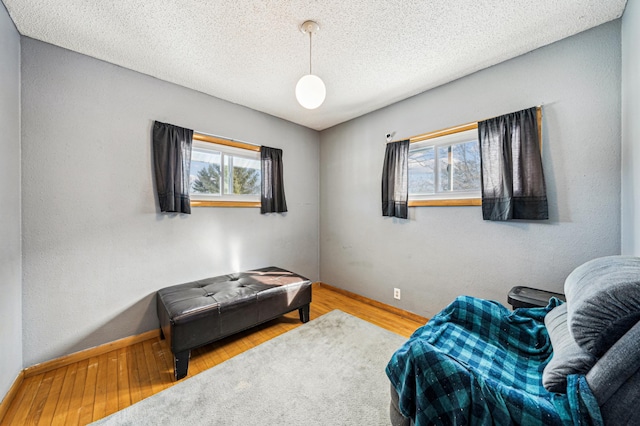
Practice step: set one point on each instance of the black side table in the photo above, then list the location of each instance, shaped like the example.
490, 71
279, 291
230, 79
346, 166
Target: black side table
527, 297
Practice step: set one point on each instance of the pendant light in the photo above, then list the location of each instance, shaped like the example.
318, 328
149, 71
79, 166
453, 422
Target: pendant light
310, 90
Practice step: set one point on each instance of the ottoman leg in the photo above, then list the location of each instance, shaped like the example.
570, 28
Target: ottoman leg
181, 364
304, 313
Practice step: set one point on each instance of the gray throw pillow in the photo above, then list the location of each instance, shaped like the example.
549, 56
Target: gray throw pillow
603, 298
568, 357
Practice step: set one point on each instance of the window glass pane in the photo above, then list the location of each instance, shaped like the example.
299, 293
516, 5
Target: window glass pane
228, 177
422, 171
242, 175
459, 167
204, 175
466, 166
444, 168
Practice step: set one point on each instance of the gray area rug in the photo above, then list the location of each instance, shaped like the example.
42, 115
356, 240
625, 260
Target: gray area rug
329, 371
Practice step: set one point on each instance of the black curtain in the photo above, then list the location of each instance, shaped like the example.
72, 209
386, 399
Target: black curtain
395, 182
513, 185
272, 193
172, 160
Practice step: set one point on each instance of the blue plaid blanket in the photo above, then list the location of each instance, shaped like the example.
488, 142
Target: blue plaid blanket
476, 362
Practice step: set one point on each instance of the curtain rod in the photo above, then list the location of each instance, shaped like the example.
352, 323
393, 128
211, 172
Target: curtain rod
462, 128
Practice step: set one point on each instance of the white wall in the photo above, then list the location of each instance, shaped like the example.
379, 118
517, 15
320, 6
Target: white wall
96, 248
442, 252
10, 243
631, 129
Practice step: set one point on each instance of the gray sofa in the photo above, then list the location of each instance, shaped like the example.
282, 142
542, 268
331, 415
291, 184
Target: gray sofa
603, 316
595, 335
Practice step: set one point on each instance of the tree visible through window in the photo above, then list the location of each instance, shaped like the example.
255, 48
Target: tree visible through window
224, 173
207, 180
460, 167
242, 175
445, 167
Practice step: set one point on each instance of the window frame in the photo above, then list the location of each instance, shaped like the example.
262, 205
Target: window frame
443, 201
234, 145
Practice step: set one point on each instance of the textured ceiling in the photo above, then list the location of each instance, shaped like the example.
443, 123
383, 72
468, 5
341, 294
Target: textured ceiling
370, 53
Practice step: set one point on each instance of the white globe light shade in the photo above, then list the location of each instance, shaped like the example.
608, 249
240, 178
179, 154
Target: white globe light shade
310, 91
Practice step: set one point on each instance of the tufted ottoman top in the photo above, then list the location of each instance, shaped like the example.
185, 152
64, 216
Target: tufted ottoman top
186, 302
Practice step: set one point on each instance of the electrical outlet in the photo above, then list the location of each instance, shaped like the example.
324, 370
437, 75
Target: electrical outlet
396, 293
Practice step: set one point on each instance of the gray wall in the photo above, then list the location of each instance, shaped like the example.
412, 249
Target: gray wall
442, 252
10, 245
631, 129
95, 248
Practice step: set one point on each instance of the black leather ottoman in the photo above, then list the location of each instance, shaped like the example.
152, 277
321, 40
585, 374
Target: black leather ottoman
200, 312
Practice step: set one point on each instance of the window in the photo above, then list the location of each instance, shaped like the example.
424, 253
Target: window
224, 173
445, 168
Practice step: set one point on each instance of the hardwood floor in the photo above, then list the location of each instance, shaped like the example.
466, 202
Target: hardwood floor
91, 389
